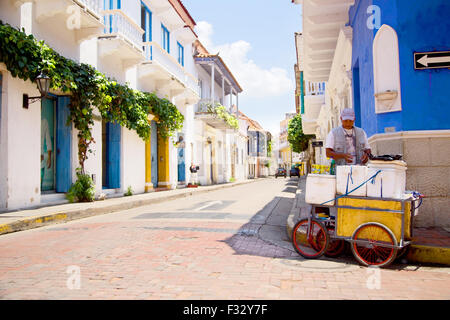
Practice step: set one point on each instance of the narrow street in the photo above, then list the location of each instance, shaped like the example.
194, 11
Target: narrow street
226, 244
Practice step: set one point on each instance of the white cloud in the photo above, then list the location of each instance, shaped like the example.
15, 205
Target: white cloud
256, 81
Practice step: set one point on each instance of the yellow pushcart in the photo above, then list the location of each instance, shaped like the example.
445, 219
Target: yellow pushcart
377, 229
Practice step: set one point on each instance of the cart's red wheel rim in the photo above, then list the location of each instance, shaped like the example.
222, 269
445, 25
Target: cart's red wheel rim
374, 251
335, 247
320, 238
310, 244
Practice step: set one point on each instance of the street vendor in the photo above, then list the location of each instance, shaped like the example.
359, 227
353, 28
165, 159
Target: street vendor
347, 144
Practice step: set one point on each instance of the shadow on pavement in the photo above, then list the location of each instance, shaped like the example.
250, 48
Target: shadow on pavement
265, 234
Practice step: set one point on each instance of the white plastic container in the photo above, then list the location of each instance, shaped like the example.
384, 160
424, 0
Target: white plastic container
350, 177
320, 188
390, 182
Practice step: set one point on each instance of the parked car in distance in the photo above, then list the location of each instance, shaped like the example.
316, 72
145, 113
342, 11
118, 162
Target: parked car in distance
280, 173
294, 172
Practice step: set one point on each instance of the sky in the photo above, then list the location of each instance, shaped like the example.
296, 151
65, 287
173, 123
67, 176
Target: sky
255, 38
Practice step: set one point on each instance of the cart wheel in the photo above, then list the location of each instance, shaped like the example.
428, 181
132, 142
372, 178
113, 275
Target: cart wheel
375, 250
335, 247
310, 245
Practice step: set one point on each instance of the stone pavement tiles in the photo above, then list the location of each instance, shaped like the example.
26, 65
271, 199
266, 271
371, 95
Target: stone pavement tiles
188, 260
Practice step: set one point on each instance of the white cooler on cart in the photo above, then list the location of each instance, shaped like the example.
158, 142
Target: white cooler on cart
320, 188
390, 182
349, 178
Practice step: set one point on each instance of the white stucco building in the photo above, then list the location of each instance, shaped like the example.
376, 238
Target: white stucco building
218, 148
146, 44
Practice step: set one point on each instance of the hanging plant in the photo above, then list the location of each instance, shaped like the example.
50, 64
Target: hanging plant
221, 112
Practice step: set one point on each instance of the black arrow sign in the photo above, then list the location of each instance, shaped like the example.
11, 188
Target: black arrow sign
431, 60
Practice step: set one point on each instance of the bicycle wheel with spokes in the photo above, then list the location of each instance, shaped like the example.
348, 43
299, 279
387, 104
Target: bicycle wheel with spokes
308, 239
374, 245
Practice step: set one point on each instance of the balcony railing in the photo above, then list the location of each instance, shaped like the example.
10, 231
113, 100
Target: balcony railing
93, 5
155, 53
206, 106
117, 22
314, 88
215, 114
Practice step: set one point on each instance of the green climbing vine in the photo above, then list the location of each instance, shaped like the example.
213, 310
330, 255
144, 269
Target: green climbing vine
25, 58
221, 112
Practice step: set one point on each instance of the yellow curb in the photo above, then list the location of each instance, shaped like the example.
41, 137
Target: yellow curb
32, 222
428, 254
5, 228
40, 220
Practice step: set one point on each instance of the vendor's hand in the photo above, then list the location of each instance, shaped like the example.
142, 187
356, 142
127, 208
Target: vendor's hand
348, 158
364, 158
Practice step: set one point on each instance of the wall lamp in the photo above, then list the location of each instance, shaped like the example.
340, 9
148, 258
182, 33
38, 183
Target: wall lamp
43, 84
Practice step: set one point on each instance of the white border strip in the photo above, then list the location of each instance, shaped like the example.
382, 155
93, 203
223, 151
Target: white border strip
410, 135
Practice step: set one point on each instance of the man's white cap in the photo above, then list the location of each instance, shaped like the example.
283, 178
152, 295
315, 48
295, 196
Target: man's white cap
348, 114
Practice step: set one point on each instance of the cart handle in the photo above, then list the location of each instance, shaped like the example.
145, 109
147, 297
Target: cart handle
419, 196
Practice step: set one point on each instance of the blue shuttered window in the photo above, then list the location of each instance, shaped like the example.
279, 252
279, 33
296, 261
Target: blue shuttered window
180, 54
108, 20
165, 38
146, 23
111, 4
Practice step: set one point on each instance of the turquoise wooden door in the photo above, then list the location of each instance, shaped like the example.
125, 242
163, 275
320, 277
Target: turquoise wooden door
181, 165
154, 152
114, 135
48, 144
181, 159
63, 146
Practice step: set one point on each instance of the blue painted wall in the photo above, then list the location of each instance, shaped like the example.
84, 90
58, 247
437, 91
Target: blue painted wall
421, 26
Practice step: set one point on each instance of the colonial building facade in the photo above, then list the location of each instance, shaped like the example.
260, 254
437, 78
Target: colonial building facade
151, 46
368, 52
216, 140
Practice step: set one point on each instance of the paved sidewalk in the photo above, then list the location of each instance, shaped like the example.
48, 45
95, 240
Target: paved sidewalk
429, 246
20, 220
